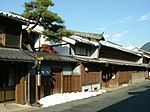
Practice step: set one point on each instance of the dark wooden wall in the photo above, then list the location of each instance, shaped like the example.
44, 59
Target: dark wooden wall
90, 77
71, 83
112, 53
123, 77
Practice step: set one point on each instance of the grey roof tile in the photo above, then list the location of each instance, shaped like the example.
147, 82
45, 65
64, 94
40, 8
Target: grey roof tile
15, 17
88, 35
53, 57
10, 54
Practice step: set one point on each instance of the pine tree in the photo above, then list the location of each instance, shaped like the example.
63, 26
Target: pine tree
38, 10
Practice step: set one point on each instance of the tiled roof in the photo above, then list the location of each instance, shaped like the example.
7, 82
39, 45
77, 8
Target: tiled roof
88, 59
15, 17
123, 63
83, 40
52, 57
88, 35
110, 61
10, 54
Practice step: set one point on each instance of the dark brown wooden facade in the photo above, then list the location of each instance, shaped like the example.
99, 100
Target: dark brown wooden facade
13, 81
71, 83
114, 53
122, 69
18, 74
14, 62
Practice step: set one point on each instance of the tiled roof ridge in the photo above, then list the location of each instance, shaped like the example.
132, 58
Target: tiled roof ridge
15, 16
87, 34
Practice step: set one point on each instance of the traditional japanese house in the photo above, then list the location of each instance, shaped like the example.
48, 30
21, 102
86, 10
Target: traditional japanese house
53, 73
145, 60
115, 64
123, 66
84, 47
58, 74
14, 62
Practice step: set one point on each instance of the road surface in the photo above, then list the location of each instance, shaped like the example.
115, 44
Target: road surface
133, 98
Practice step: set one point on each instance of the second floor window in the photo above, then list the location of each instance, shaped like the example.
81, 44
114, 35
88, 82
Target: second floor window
12, 40
0, 38
9, 40
81, 51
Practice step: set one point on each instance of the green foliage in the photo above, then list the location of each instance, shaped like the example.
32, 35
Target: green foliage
38, 10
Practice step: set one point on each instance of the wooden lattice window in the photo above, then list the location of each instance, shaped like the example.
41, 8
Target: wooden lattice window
2, 39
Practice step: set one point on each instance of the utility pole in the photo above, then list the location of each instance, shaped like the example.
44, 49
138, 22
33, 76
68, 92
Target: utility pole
38, 80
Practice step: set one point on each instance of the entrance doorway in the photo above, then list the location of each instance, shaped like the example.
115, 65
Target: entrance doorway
7, 84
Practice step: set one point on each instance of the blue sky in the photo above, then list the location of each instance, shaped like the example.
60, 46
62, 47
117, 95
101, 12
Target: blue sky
125, 22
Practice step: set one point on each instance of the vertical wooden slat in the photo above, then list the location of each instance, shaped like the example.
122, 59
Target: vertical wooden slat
57, 82
71, 83
17, 93
22, 94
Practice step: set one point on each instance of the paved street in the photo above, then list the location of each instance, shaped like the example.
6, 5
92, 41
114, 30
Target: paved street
133, 98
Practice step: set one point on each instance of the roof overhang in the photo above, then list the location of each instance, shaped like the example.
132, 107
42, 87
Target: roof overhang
110, 62
10, 54
52, 57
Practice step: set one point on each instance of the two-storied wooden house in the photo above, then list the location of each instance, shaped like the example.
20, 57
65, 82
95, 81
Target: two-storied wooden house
84, 47
123, 66
14, 62
104, 63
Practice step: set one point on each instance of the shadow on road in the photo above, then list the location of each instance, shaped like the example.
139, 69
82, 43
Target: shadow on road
138, 102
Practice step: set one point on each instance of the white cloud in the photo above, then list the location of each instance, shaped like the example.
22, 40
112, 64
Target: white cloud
106, 36
117, 37
102, 28
125, 31
122, 20
144, 17
118, 22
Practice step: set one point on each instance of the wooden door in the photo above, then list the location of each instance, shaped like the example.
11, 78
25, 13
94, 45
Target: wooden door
2, 85
57, 81
7, 90
46, 86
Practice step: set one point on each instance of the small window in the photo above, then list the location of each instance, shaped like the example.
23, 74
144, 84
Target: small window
0, 38
12, 40
81, 51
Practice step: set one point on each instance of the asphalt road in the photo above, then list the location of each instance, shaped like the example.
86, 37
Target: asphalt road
133, 98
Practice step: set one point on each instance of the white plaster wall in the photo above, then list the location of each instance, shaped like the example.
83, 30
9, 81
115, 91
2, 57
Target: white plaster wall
95, 54
41, 41
77, 70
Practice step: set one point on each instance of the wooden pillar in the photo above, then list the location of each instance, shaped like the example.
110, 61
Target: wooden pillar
17, 93
28, 95
61, 82
37, 87
36, 90
20, 92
